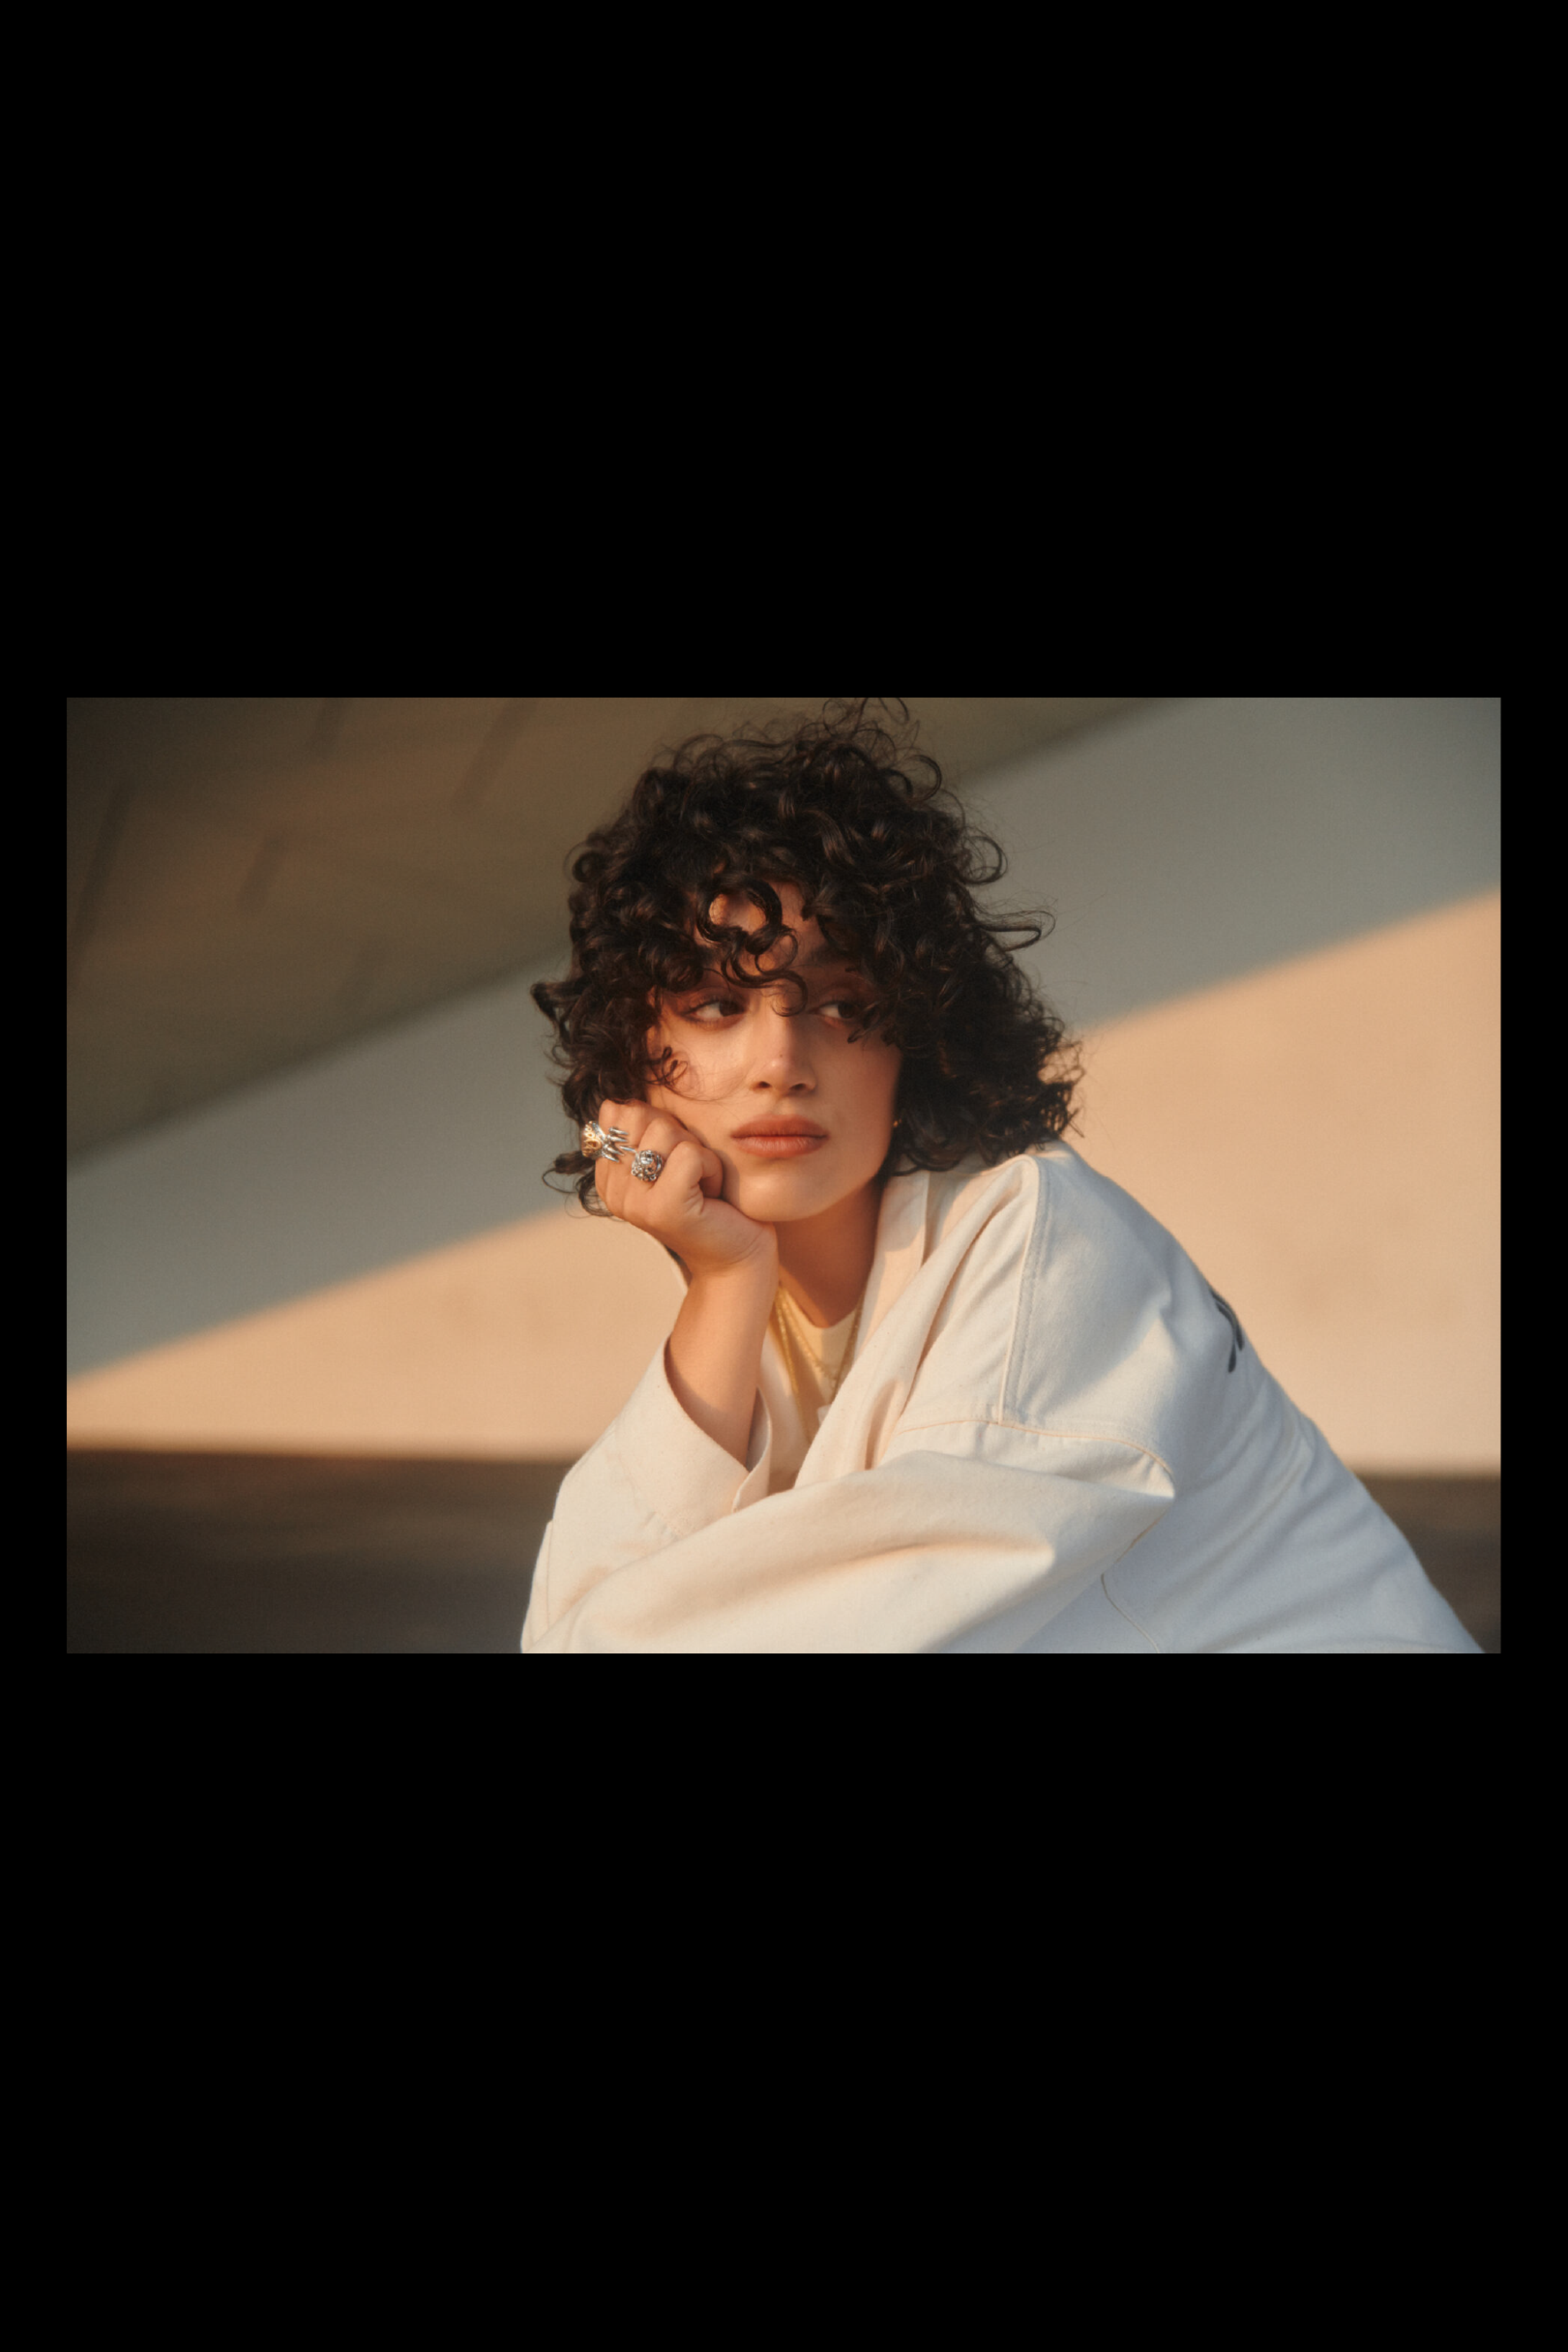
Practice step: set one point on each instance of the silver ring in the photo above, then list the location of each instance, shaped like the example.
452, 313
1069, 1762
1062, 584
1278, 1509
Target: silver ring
647, 1167
597, 1141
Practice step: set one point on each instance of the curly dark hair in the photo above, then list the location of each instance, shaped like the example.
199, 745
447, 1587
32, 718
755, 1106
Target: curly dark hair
885, 859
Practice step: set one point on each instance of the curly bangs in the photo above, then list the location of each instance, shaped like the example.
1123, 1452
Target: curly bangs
887, 864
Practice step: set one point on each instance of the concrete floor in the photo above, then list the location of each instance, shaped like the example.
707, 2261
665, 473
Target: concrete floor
227, 1553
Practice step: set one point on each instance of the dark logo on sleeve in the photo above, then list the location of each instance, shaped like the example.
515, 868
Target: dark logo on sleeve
1237, 1339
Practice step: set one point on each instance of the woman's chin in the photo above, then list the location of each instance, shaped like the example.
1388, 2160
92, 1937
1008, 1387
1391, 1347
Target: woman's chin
780, 1194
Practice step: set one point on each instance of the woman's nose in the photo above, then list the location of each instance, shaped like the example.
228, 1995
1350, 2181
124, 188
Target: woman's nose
783, 1048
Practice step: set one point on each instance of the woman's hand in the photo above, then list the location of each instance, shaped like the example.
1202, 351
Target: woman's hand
684, 1208
715, 1350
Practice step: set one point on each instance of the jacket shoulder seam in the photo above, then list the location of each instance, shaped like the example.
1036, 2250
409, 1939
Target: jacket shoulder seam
1038, 1428
1021, 1299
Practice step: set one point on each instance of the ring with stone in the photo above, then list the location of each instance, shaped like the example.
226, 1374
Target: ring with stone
596, 1140
647, 1166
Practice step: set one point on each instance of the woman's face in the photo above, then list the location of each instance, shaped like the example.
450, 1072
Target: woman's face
801, 1117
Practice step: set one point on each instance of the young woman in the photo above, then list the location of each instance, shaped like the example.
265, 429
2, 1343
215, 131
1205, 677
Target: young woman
935, 1384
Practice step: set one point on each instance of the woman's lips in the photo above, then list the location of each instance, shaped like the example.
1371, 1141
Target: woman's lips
777, 1147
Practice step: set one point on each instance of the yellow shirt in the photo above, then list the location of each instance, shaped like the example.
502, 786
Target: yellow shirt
814, 1363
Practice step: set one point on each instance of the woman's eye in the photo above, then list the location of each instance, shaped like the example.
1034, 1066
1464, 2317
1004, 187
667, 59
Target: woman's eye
709, 1011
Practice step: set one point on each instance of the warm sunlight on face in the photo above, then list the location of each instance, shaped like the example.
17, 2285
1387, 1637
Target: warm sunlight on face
800, 1117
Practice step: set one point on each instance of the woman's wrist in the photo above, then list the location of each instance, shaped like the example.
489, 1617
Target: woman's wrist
714, 1353
754, 1276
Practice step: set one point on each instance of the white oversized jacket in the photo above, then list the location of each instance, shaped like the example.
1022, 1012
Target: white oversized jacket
1052, 1436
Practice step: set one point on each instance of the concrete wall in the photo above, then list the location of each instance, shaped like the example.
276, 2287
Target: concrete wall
1278, 928
1194, 841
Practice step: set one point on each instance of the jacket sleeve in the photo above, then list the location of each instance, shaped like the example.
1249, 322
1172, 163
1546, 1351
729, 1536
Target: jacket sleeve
652, 1480
965, 1537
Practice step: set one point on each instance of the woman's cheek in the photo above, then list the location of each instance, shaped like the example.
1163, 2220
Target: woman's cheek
715, 1070
705, 1074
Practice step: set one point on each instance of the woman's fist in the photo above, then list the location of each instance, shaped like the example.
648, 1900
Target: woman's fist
684, 1207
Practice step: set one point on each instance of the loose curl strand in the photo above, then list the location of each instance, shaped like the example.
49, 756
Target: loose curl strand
886, 862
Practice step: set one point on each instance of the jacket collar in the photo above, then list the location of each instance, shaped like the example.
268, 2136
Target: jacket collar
901, 1248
